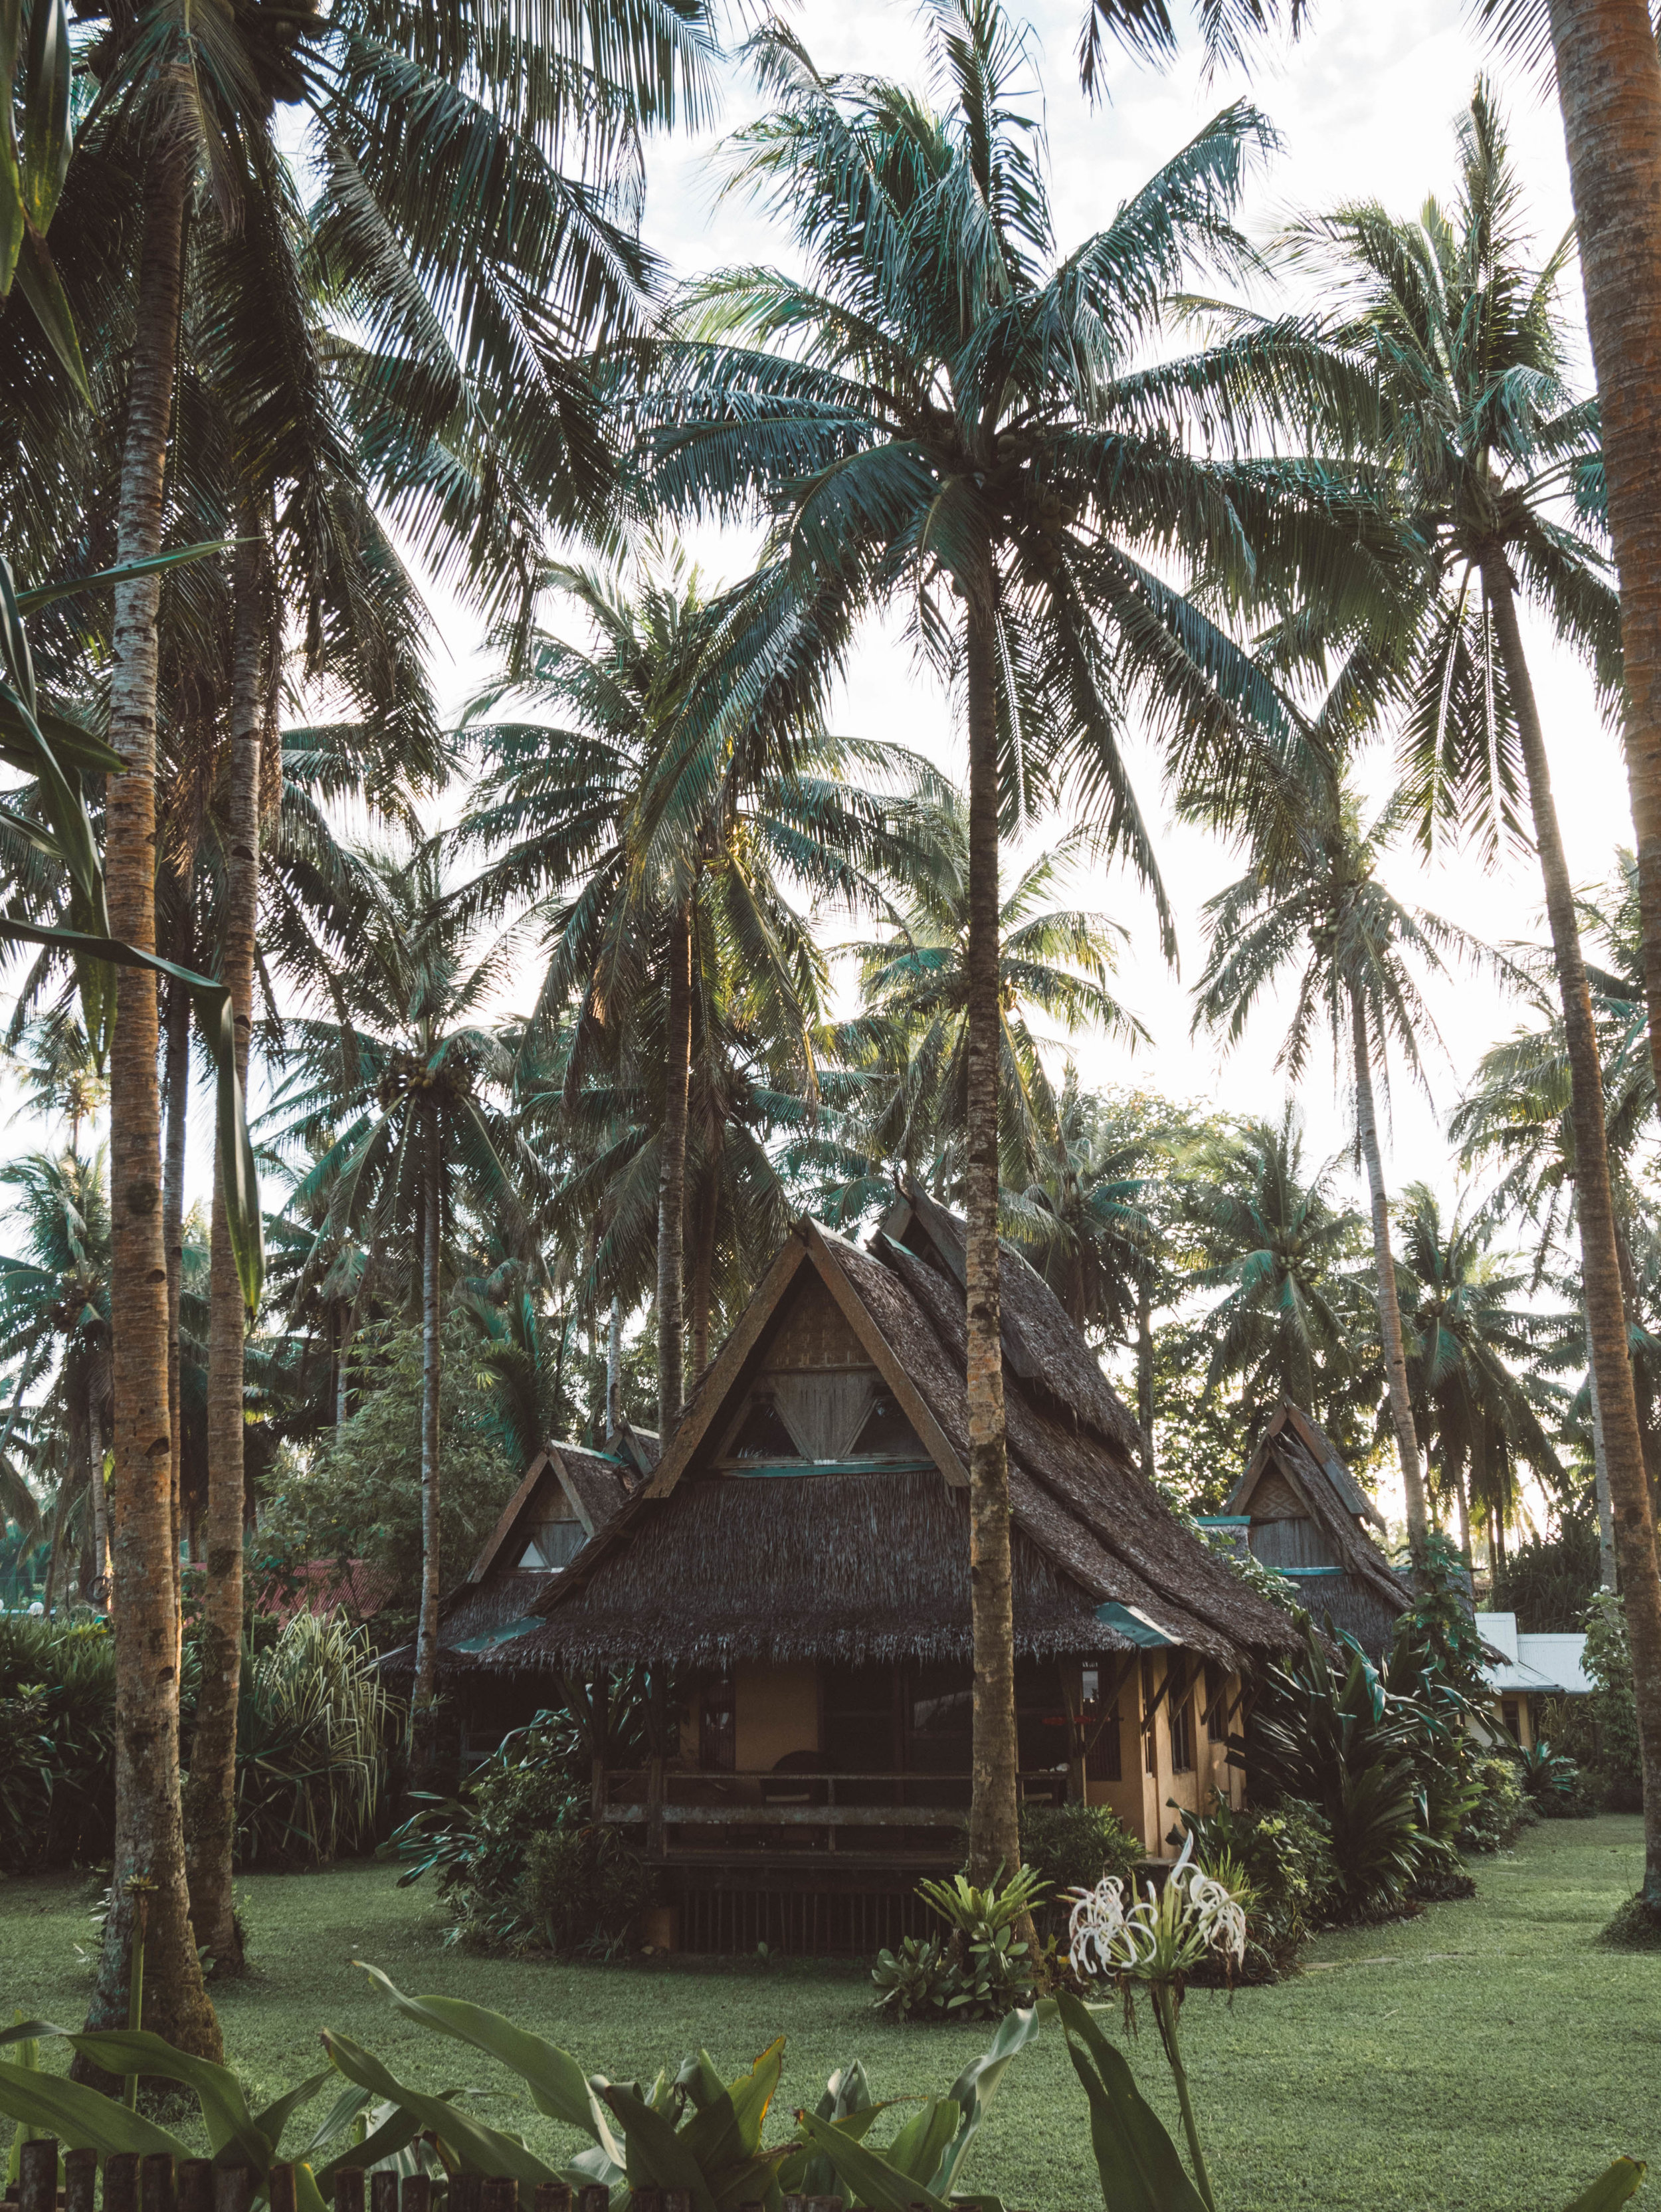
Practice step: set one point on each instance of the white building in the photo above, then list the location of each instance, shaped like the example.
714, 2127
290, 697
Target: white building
1530, 1667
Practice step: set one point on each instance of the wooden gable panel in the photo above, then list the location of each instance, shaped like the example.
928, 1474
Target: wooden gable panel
1277, 1499
815, 1334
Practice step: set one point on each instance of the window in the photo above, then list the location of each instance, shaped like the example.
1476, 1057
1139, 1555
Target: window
718, 1733
1181, 1702
1510, 1714
762, 1434
888, 1434
553, 1544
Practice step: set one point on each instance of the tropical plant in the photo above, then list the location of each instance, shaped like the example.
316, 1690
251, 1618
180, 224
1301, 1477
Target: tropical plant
1497, 465
1551, 1782
314, 1738
57, 1742
1274, 1240
1150, 1945
910, 1039
655, 839
409, 1088
983, 1967
1285, 1857
938, 409
1312, 905
1472, 1354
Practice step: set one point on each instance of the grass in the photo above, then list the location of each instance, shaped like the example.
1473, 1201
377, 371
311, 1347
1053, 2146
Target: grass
1491, 2055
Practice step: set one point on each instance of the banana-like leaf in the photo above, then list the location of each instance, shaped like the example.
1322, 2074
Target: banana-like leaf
658, 2156
975, 2087
558, 2086
224, 2108
38, 281
807, 2172
870, 2176
1610, 2189
1136, 2160
81, 2118
46, 141
270, 2121
727, 2127
396, 2133
920, 2145
213, 1012
477, 2149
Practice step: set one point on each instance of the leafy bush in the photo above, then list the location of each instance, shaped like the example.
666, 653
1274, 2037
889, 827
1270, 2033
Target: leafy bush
57, 1743
1548, 1581
1553, 1784
1072, 1847
314, 1733
1336, 1740
1501, 1805
1610, 1713
1291, 1878
518, 1828
980, 1969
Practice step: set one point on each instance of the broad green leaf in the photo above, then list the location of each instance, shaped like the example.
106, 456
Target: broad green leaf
918, 2146
224, 2108
558, 2085
1610, 2189
75, 745
807, 2172
38, 281
658, 2158
478, 2149
1136, 2159
275, 2117
396, 2133
975, 2087
81, 2118
46, 112
873, 2181
31, 833
728, 2127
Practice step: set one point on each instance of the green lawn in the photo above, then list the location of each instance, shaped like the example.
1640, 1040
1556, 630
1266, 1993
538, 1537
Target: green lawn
1490, 2056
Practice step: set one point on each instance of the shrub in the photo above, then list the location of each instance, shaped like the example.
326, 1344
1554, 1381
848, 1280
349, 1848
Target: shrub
57, 1743
1554, 1785
1610, 1713
1501, 1805
1291, 1878
980, 1968
1072, 1847
583, 1891
314, 1728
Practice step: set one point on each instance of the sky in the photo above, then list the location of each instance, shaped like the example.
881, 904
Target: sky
1365, 107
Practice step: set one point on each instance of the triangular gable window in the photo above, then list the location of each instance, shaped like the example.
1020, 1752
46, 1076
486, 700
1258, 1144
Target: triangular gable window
886, 1434
553, 1544
762, 1435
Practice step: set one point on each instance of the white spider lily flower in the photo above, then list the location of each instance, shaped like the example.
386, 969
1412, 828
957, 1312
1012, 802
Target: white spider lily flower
1160, 1936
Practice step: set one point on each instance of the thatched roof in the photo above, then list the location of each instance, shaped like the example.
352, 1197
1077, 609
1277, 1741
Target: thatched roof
1369, 1596
710, 1562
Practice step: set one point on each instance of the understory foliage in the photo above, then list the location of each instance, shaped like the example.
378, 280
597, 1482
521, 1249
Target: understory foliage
1290, 1884
517, 1860
981, 1966
57, 1743
1601, 1731
314, 1742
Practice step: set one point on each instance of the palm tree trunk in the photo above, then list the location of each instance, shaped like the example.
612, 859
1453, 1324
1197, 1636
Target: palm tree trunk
1601, 1468
1464, 1503
994, 1819
210, 1790
1145, 1374
1383, 1269
703, 1262
97, 1500
1629, 1490
178, 1081
672, 1177
423, 1717
149, 1844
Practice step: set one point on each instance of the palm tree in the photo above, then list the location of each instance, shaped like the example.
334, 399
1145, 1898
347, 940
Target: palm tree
1274, 1240
412, 1089
1498, 468
1314, 905
938, 408
656, 845
54, 1304
1466, 1340
1096, 1222
911, 1037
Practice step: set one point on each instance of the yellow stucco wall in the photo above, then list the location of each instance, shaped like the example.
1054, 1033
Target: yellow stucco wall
776, 1710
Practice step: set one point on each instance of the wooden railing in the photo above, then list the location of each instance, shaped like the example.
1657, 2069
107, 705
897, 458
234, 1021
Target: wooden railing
804, 1807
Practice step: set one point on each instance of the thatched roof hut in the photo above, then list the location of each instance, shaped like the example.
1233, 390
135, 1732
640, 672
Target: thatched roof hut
1303, 1513
812, 1501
